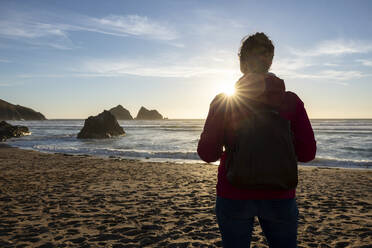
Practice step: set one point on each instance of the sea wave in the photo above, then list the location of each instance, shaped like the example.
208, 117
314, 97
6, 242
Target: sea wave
186, 156
181, 155
344, 163
340, 143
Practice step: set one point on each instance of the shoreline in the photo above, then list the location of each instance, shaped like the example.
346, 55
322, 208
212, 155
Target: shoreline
84, 201
175, 160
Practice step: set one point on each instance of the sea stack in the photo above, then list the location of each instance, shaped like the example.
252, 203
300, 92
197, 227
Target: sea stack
9, 131
121, 113
10, 111
145, 114
101, 126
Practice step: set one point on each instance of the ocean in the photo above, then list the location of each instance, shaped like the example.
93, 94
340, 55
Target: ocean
340, 143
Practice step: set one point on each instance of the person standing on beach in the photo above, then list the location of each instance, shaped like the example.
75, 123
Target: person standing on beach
237, 207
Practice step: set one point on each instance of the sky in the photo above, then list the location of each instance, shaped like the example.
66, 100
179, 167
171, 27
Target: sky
73, 59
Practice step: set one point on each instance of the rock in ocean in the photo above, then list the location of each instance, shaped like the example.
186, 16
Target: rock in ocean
101, 126
9, 131
10, 111
145, 114
121, 113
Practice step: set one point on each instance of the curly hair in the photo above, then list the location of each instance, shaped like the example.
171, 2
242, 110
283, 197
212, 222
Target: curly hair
256, 53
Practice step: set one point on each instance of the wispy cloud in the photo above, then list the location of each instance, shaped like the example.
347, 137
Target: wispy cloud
27, 29
331, 64
365, 62
165, 66
216, 64
335, 75
335, 47
133, 25
192, 67
45, 31
301, 68
290, 64
5, 60
323, 61
44, 75
7, 84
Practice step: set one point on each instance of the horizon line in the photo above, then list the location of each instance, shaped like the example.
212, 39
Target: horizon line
336, 118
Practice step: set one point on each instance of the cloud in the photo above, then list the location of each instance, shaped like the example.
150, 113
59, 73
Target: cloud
35, 32
365, 62
301, 68
290, 67
335, 48
336, 75
323, 61
25, 28
44, 30
216, 64
7, 84
5, 60
165, 66
331, 64
192, 67
290, 64
129, 25
34, 75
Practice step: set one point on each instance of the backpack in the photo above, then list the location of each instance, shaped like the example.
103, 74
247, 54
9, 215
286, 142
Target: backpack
263, 155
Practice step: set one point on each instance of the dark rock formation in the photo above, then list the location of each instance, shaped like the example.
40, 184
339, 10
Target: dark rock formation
145, 114
9, 131
101, 126
121, 113
10, 111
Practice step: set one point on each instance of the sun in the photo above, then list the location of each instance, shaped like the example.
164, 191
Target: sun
228, 88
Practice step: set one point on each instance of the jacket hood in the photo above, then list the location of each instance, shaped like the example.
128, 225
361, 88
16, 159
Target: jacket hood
266, 88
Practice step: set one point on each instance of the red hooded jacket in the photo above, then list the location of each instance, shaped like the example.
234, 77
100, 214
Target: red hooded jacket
219, 129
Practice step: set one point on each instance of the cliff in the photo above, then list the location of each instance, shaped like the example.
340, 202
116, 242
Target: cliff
10, 111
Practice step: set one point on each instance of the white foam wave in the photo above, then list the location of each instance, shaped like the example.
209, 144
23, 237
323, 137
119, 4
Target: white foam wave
345, 163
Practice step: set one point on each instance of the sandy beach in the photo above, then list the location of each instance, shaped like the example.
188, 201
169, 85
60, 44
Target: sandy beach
59, 200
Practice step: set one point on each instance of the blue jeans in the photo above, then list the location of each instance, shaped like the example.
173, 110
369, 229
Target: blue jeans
278, 220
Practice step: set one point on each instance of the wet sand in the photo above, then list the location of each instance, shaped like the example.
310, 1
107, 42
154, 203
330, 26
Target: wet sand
59, 200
